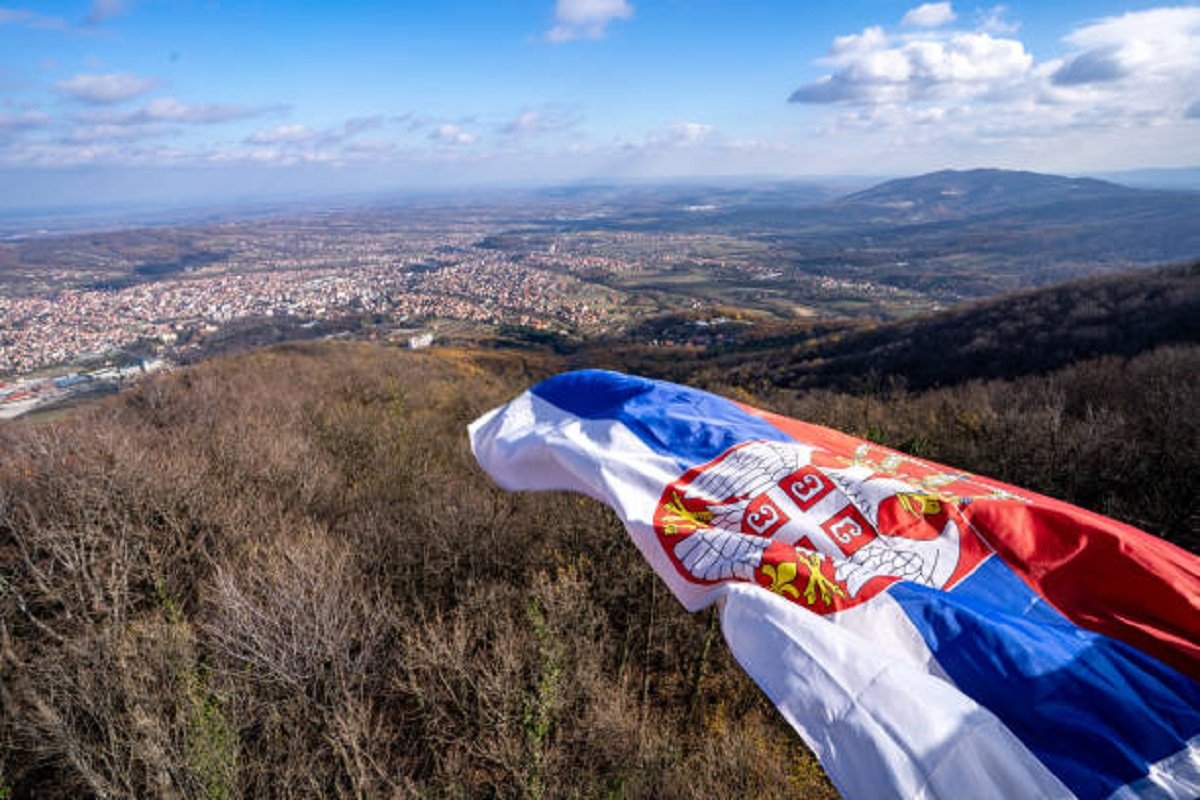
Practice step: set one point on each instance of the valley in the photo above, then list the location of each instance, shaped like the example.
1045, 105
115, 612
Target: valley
576, 265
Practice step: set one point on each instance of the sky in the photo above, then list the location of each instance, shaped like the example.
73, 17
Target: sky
175, 100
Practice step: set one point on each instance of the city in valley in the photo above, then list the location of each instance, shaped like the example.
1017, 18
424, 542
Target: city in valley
82, 310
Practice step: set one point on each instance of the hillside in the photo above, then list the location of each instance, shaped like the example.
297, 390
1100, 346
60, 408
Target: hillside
1021, 334
948, 235
282, 573
283, 569
955, 194
1026, 333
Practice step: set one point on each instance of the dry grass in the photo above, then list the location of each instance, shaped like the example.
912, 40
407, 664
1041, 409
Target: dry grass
282, 575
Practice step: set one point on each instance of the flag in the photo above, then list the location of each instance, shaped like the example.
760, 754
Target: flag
928, 632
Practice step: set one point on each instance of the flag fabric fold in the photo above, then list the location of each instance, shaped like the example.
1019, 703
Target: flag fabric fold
928, 632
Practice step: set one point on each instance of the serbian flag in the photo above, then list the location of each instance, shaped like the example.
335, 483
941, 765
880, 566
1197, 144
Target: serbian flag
928, 632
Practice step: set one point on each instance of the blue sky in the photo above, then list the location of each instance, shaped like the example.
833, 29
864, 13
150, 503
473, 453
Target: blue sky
157, 99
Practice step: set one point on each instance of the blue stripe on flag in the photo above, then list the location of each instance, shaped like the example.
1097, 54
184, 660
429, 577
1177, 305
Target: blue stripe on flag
688, 425
1077, 699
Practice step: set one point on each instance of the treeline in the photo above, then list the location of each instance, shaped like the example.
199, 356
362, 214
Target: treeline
1026, 333
1022, 334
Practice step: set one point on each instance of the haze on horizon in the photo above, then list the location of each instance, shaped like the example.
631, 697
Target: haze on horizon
155, 101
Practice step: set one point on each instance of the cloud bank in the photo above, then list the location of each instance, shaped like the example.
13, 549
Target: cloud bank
171, 110
922, 80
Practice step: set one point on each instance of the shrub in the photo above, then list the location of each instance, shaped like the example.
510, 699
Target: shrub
282, 575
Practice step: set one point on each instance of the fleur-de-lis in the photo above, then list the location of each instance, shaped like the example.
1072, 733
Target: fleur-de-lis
783, 580
781, 577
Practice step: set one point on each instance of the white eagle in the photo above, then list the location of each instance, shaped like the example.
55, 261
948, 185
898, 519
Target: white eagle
733, 482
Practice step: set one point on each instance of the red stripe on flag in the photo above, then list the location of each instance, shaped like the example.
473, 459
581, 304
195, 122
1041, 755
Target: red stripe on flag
1101, 574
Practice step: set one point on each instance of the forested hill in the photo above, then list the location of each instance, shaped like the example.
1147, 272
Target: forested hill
1021, 334
1025, 333
954, 194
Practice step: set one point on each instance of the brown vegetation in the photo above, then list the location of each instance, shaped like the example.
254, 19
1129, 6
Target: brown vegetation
282, 574
1025, 333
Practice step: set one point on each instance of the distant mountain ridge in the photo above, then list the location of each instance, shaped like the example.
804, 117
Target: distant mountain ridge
958, 194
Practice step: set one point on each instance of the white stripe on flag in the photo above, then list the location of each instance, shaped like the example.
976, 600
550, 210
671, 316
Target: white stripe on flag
1176, 777
531, 444
883, 623
861, 686
879, 726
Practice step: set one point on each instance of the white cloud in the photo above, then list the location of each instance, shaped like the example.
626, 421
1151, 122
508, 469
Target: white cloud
1163, 25
121, 138
272, 156
449, 133
290, 135
283, 134
536, 122
526, 122
675, 136
91, 134
929, 15
1091, 66
1143, 44
995, 20
25, 121
68, 152
169, 109
357, 125
684, 134
369, 148
586, 19
104, 89
1121, 88
1138, 60
873, 67
870, 40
